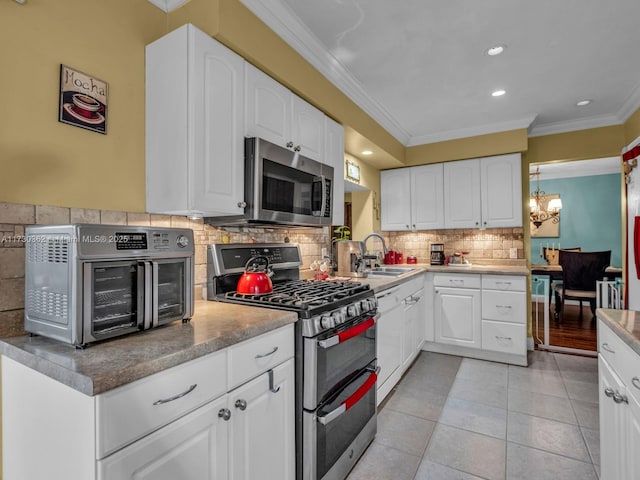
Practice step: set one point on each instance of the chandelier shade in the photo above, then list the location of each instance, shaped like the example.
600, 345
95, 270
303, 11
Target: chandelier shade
541, 208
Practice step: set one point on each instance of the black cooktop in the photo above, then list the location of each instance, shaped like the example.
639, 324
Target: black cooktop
304, 296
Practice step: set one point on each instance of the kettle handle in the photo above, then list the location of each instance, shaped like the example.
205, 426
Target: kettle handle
253, 261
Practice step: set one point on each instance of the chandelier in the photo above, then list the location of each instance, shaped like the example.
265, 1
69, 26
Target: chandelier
541, 208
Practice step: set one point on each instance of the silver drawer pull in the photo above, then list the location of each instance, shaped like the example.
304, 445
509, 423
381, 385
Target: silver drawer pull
504, 338
225, 414
504, 306
272, 387
503, 283
606, 347
262, 355
176, 397
609, 392
636, 382
619, 398
241, 404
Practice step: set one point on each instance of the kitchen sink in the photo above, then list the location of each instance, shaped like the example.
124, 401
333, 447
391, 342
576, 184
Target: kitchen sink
390, 271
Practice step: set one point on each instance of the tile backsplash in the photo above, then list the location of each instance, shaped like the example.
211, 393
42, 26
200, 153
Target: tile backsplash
484, 246
14, 217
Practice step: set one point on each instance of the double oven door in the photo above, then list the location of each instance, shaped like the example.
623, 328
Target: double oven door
123, 296
339, 399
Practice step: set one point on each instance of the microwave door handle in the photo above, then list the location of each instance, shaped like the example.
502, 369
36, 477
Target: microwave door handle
351, 401
154, 287
323, 209
147, 294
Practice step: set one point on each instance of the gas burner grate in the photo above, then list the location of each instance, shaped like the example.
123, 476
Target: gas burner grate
303, 294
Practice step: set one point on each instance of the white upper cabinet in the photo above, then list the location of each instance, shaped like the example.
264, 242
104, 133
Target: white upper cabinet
334, 155
483, 192
412, 198
194, 126
274, 113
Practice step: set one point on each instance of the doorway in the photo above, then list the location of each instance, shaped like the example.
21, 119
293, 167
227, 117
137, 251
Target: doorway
591, 219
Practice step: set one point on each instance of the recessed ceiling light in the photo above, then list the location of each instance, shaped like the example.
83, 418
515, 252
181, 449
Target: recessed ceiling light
583, 103
498, 93
367, 152
496, 50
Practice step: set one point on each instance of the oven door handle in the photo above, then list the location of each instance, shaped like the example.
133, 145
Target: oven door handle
351, 401
154, 290
350, 333
148, 295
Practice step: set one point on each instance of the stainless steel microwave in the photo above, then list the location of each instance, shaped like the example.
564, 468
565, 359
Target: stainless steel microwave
282, 187
85, 283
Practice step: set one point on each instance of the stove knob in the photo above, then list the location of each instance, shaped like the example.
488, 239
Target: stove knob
338, 318
326, 321
182, 241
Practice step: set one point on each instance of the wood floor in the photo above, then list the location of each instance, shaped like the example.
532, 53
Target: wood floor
571, 333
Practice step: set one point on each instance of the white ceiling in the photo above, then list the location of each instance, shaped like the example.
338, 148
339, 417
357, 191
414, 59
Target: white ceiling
419, 67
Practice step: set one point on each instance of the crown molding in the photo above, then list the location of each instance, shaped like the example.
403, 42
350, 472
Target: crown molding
471, 131
288, 27
630, 106
168, 5
575, 125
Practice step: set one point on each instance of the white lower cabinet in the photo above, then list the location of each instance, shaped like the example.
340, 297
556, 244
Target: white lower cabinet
619, 405
262, 428
194, 447
479, 315
226, 415
400, 331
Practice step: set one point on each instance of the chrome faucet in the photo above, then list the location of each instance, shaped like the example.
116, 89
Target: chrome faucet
368, 257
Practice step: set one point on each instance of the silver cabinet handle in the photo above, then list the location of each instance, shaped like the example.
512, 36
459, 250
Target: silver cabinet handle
503, 338
175, 397
503, 283
289, 144
262, 355
242, 204
606, 347
272, 388
225, 414
609, 392
619, 398
504, 306
297, 148
241, 404
636, 382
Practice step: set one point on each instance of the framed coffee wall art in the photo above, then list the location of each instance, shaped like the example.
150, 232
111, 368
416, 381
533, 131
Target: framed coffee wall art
83, 100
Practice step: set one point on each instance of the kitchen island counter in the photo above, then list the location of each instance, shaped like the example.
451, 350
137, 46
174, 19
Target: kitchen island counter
113, 363
624, 323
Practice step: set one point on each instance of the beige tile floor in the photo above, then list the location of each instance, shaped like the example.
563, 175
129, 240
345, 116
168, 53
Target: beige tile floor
465, 419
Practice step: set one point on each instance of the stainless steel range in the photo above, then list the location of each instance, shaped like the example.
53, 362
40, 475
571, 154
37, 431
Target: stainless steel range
335, 353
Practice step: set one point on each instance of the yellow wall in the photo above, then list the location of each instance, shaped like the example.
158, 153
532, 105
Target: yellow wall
44, 161
366, 218
471, 147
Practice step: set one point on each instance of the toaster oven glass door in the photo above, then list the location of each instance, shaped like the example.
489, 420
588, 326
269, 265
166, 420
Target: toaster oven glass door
113, 298
170, 289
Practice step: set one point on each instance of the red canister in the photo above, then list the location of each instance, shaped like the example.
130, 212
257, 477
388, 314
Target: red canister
399, 257
390, 257
412, 260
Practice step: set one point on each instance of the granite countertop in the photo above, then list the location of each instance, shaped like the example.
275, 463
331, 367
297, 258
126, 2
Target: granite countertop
110, 364
625, 323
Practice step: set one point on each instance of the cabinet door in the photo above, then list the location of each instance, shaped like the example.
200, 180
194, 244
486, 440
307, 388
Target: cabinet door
334, 156
427, 197
395, 199
457, 317
216, 168
420, 319
307, 129
191, 448
389, 342
612, 424
262, 436
462, 194
408, 332
268, 107
633, 439
501, 187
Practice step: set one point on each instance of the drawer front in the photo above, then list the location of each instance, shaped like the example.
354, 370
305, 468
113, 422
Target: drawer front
456, 280
134, 410
253, 357
513, 283
504, 306
504, 337
623, 360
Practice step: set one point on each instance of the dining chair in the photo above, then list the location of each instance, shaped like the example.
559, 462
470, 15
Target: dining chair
580, 271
